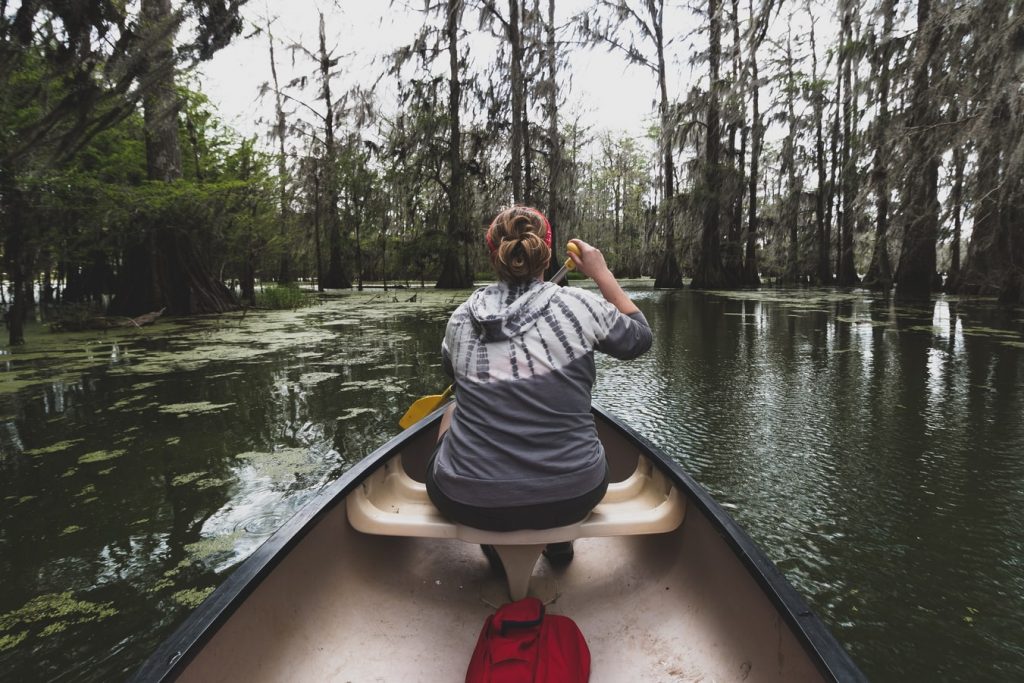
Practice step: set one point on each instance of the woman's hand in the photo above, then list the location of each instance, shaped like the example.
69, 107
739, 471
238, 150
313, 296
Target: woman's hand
590, 261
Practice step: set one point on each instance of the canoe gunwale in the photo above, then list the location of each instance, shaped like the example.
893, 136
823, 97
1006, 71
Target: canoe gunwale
832, 660
177, 650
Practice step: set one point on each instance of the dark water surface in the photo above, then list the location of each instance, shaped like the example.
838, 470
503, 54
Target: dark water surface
876, 453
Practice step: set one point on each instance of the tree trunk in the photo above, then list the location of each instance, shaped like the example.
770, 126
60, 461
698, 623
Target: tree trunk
165, 269
751, 278
336, 277
280, 131
15, 254
824, 270
453, 273
247, 278
516, 45
1012, 291
987, 252
357, 216
879, 275
834, 194
995, 253
708, 273
794, 185
733, 257
847, 268
317, 220
957, 201
668, 274
554, 141
915, 274
528, 194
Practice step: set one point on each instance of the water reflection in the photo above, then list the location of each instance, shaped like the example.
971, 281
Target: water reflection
137, 473
872, 450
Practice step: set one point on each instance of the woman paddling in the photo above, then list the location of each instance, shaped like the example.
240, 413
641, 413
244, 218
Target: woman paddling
519, 448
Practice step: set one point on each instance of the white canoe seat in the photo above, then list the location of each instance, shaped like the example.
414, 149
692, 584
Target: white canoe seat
391, 503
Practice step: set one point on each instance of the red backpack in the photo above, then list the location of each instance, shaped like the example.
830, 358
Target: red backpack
519, 644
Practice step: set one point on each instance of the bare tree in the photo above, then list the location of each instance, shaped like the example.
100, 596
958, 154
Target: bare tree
454, 274
554, 136
916, 274
707, 271
847, 271
613, 31
280, 132
822, 227
759, 23
794, 181
879, 275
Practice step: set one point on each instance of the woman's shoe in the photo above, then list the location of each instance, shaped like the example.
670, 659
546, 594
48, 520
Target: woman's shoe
493, 559
559, 554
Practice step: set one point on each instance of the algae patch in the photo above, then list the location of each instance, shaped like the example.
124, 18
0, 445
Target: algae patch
208, 547
864, 321
8, 642
192, 597
311, 378
198, 408
199, 478
281, 464
355, 412
100, 456
55, 448
183, 479
51, 613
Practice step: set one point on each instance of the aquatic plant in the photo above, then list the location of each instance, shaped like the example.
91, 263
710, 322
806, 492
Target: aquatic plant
284, 297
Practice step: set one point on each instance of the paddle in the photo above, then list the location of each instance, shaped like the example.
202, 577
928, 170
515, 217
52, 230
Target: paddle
422, 407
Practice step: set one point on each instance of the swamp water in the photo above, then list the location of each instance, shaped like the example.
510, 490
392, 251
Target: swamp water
875, 452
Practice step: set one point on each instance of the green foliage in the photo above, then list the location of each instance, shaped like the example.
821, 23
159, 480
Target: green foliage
284, 297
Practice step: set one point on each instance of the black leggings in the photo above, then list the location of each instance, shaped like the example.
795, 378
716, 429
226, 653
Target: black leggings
539, 516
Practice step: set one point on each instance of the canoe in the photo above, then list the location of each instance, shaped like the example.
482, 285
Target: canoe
322, 601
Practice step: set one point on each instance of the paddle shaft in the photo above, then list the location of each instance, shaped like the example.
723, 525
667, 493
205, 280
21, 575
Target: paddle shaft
567, 266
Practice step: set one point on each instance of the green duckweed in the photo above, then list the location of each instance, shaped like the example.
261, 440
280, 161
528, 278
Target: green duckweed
52, 613
197, 408
55, 448
192, 597
100, 456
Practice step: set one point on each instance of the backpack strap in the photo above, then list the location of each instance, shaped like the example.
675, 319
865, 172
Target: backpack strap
523, 614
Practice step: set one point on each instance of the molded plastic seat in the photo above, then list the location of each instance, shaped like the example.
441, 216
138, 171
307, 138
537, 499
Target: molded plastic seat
391, 503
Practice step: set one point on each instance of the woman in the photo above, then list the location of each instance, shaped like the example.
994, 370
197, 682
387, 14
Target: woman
521, 448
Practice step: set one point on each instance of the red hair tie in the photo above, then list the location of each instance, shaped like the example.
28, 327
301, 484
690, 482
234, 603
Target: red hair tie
492, 247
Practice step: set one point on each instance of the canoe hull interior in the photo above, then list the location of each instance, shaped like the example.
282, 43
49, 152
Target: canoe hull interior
346, 606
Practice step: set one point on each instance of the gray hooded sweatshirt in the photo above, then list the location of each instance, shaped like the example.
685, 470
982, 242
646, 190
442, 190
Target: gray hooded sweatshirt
523, 361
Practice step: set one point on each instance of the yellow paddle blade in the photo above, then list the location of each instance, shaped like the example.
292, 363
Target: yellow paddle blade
423, 407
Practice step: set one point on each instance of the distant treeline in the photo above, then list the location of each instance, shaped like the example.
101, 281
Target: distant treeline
889, 155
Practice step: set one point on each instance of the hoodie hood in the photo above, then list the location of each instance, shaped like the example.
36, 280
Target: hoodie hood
504, 310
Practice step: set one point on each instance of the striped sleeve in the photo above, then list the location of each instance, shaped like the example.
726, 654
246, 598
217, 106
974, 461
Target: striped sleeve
614, 333
629, 337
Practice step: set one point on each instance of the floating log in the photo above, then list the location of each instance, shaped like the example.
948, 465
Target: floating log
144, 319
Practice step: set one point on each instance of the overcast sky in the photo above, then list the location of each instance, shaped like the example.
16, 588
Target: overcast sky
609, 93
601, 87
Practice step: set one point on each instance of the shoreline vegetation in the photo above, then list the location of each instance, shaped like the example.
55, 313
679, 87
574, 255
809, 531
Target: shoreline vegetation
888, 147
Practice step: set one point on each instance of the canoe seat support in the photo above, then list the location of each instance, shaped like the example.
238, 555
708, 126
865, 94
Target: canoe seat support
390, 503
